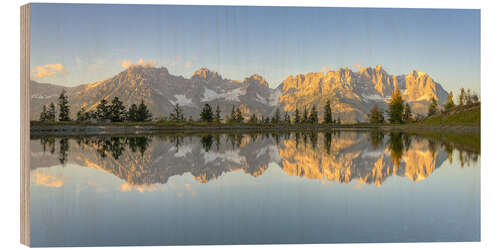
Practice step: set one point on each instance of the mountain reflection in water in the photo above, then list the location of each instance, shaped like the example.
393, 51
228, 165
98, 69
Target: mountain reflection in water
340, 156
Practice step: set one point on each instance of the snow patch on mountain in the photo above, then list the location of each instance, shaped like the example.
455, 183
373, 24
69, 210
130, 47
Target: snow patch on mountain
209, 95
261, 152
274, 153
182, 100
209, 157
261, 99
183, 151
274, 98
232, 95
42, 96
373, 97
227, 156
157, 91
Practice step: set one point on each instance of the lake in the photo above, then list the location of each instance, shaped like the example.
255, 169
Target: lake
252, 188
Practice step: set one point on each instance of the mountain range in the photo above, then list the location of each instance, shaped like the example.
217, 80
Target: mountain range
352, 93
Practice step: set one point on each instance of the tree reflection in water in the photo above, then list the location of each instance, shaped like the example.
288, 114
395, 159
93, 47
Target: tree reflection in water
334, 155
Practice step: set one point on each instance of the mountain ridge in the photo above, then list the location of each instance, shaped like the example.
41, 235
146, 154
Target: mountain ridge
352, 93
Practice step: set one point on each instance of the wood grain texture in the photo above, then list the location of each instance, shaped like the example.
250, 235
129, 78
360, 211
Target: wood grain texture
25, 124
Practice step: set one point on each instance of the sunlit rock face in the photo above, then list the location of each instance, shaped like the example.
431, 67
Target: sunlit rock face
341, 157
352, 94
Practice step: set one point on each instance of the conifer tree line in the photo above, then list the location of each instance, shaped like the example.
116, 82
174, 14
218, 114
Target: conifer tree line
400, 112
49, 113
115, 111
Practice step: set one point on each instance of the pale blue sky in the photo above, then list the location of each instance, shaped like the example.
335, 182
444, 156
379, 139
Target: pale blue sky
90, 42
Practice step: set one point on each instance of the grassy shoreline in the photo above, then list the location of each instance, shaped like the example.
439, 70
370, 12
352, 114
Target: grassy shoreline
460, 125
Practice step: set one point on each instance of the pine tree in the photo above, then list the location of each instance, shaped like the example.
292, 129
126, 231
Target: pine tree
432, 107
462, 97
238, 117
468, 97
206, 114
297, 116
63, 107
80, 115
132, 113
375, 116
143, 113
217, 115
396, 107
313, 117
43, 114
177, 115
475, 98
117, 110
253, 119
51, 114
287, 118
102, 110
233, 114
277, 116
327, 116
450, 104
305, 116
407, 113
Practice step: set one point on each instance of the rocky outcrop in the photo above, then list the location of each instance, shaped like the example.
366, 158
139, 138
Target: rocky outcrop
352, 94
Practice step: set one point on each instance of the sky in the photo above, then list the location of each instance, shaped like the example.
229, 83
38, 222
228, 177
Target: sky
74, 44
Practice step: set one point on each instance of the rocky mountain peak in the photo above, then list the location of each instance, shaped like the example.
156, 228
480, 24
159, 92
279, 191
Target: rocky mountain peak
205, 74
255, 78
417, 74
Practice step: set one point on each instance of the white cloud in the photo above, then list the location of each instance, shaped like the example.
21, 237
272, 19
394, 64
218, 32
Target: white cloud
357, 65
48, 70
126, 187
141, 62
126, 64
42, 179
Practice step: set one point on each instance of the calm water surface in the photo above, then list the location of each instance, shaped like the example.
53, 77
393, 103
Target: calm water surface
252, 188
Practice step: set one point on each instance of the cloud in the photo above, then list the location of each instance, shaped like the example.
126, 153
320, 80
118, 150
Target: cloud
47, 180
357, 65
48, 70
187, 64
126, 64
141, 62
126, 187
